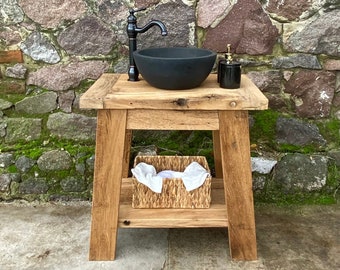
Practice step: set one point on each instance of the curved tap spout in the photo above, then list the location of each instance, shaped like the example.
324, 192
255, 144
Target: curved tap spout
132, 31
161, 25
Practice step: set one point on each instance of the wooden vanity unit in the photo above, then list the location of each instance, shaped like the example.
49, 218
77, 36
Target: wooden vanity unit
124, 106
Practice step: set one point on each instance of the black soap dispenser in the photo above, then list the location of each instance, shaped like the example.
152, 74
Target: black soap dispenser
229, 72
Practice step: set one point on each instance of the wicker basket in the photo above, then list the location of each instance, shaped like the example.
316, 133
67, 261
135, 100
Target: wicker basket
174, 194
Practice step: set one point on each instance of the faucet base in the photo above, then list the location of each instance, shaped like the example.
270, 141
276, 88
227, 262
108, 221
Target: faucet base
133, 74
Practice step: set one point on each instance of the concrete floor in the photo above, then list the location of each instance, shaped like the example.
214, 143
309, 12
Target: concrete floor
56, 236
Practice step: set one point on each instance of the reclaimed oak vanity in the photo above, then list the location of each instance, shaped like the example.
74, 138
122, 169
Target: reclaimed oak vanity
124, 106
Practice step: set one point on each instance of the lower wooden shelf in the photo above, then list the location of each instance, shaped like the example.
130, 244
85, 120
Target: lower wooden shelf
215, 216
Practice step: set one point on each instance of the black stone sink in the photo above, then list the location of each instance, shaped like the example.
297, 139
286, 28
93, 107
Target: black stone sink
174, 68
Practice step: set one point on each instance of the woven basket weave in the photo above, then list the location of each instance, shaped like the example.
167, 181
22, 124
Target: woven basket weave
174, 194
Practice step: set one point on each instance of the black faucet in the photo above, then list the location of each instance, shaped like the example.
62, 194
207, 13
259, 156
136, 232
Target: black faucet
132, 30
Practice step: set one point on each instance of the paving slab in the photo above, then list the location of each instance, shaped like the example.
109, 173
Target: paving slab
56, 236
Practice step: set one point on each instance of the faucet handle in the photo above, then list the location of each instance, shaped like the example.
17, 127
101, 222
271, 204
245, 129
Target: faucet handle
132, 11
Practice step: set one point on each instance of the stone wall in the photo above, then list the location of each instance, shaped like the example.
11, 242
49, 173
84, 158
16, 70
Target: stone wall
51, 52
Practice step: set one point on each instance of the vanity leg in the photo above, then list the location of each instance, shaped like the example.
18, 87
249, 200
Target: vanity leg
127, 148
217, 154
110, 146
237, 175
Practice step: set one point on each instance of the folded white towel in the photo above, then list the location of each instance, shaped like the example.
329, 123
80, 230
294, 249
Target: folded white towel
146, 174
193, 176
170, 174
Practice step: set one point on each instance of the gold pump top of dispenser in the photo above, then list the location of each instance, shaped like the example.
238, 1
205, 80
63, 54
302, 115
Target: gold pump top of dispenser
229, 56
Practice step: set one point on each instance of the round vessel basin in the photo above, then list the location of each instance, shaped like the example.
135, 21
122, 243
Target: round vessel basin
174, 68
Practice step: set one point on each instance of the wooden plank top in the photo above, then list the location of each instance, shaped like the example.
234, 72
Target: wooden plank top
93, 97
113, 91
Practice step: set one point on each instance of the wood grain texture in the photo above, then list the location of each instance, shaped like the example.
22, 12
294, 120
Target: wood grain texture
14, 56
127, 148
172, 120
234, 139
112, 93
208, 96
215, 216
94, 96
217, 153
110, 146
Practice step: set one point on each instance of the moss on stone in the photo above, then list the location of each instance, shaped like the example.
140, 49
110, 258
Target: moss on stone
12, 169
14, 187
31, 149
264, 127
13, 98
326, 195
279, 198
59, 175
289, 148
34, 149
330, 130
200, 34
333, 179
